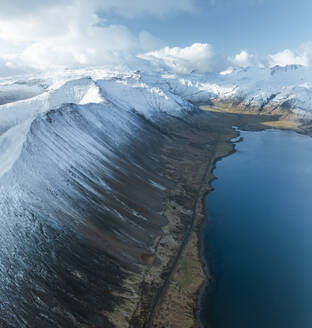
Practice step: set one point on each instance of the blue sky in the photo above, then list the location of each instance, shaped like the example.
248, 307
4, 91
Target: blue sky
181, 35
260, 27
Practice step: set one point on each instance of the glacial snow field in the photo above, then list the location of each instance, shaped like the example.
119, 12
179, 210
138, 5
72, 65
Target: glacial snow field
78, 153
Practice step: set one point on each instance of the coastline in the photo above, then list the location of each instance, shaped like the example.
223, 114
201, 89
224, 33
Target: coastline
175, 308
210, 259
167, 291
190, 303
204, 263
288, 124
179, 304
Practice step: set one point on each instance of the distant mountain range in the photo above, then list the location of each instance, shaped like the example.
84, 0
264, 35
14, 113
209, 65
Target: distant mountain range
279, 89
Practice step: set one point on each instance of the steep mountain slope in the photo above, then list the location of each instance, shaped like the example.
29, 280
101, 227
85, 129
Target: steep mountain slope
81, 187
91, 163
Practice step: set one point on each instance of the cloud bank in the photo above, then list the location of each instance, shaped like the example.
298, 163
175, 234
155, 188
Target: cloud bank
199, 56
300, 56
243, 59
46, 34
40, 35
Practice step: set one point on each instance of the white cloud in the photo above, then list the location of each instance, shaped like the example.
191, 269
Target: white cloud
33, 20
44, 34
37, 34
199, 56
93, 46
300, 56
243, 59
288, 57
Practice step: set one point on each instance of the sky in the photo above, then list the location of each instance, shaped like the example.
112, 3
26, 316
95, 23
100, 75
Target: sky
179, 35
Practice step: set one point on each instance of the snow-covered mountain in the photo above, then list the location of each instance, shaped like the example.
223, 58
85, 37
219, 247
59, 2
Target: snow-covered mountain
81, 186
79, 166
286, 89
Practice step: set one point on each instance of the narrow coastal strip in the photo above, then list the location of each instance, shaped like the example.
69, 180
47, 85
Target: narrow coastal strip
165, 292
188, 234
177, 302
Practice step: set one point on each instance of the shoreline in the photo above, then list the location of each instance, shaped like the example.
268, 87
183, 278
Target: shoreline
179, 304
292, 126
167, 291
205, 264
208, 260
192, 245
242, 121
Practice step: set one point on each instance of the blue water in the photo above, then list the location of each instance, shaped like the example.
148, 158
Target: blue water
258, 237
